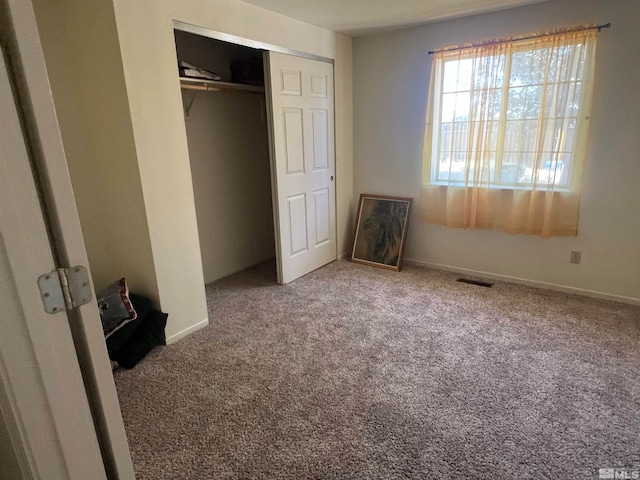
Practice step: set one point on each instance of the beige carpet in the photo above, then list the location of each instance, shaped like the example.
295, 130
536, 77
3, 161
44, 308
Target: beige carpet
353, 372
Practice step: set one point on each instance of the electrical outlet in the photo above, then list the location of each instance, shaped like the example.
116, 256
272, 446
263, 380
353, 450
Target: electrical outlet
575, 256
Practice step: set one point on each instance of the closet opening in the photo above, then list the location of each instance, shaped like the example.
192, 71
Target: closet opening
223, 95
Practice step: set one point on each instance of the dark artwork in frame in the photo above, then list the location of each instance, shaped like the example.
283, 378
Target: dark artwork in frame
381, 231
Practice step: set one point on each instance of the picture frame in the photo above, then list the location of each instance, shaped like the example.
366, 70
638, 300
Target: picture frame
381, 231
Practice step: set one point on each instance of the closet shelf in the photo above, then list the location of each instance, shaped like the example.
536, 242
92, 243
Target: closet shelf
217, 86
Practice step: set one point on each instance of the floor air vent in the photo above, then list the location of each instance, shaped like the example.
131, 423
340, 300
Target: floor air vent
475, 282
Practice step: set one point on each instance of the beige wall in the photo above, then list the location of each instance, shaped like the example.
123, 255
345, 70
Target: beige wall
82, 54
391, 75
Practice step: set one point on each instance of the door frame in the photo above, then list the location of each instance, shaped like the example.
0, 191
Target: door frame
51, 175
246, 42
43, 401
267, 47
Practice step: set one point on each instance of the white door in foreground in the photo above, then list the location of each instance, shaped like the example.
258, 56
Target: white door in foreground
62, 425
300, 94
42, 397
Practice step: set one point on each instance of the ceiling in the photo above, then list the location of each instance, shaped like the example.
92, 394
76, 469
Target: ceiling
362, 17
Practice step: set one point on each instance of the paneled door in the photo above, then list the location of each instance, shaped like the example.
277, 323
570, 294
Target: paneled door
300, 95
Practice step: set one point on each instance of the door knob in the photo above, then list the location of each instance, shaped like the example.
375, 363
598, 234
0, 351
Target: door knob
331, 178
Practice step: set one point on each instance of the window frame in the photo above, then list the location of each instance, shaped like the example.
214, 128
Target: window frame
436, 128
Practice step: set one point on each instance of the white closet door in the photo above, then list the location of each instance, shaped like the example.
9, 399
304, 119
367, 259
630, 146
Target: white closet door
303, 163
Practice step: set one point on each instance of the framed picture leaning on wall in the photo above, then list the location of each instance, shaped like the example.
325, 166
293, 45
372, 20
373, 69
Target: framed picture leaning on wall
381, 231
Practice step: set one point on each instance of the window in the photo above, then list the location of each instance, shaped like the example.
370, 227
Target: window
510, 115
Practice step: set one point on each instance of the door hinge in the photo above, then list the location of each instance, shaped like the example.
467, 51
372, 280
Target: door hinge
64, 289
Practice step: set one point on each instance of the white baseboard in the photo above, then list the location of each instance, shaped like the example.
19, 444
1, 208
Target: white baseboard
183, 333
524, 281
344, 255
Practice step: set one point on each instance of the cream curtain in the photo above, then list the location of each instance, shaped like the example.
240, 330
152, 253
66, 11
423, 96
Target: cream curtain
511, 121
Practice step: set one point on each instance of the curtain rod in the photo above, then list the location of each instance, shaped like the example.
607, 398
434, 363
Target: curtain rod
471, 45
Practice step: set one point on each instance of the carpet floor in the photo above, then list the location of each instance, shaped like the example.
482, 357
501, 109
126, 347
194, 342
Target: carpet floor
354, 372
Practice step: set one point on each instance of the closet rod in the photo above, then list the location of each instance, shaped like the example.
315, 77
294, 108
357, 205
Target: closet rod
204, 88
217, 86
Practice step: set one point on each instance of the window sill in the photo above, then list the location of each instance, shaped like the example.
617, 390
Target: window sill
539, 187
